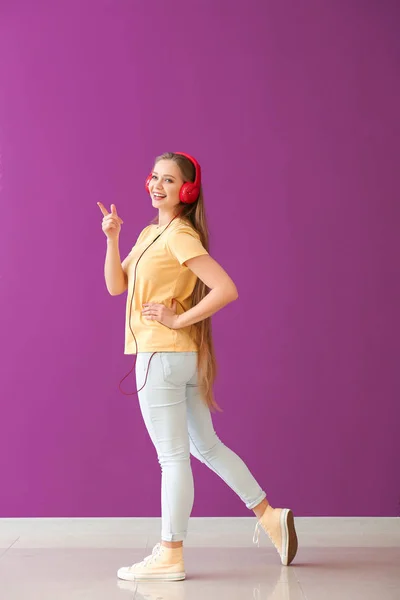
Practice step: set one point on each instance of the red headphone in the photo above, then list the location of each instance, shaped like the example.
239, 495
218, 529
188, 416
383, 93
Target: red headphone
189, 192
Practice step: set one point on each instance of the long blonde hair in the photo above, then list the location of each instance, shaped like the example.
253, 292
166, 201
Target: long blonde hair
201, 331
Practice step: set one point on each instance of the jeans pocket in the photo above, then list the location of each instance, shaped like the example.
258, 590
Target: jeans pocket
178, 367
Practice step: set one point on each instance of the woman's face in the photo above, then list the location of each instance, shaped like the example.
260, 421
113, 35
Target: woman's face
165, 184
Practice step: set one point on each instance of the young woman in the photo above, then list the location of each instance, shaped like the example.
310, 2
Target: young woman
174, 287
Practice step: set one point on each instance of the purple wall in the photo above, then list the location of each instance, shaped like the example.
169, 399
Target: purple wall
292, 110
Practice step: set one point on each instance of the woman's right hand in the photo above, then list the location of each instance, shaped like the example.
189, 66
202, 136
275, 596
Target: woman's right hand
111, 223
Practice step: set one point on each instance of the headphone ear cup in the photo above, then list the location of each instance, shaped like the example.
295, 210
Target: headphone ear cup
189, 193
148, 182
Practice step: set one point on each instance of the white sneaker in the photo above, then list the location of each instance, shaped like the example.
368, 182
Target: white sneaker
163, 564
278, 524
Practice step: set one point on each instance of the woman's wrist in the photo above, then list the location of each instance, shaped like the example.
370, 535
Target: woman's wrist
178, 322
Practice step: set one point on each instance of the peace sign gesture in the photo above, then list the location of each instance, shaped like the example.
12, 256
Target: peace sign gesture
111, 223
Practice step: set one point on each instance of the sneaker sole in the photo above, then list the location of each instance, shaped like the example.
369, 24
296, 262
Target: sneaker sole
289, 537
157, 576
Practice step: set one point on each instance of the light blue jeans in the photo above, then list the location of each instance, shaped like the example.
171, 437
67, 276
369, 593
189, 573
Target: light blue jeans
179, 424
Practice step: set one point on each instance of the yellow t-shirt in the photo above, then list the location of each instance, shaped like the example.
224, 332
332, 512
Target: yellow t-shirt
161, 276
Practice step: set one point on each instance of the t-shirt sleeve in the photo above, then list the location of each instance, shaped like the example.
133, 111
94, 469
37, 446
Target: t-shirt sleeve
184, 245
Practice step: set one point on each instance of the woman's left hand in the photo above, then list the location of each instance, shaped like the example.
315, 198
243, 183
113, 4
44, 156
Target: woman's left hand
161, 313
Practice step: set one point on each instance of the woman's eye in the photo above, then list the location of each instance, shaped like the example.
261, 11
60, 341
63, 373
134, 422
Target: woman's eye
153, 176
170, 180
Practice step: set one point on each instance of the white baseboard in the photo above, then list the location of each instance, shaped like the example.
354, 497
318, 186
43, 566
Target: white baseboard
203, 531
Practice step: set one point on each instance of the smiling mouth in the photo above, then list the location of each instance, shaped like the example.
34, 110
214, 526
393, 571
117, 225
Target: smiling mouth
159, 197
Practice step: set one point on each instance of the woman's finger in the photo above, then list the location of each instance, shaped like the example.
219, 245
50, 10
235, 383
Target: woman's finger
111, 218
111, 224
102, 208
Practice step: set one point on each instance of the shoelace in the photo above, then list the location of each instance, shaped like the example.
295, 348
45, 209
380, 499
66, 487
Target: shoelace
155, 552
256, 535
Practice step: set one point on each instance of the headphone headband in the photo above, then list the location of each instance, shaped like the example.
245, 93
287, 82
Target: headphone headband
197, 180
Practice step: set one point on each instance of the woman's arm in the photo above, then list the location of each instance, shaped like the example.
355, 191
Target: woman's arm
223, 290
116, 278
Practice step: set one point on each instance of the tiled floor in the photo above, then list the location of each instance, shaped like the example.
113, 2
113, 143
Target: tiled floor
60, 559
